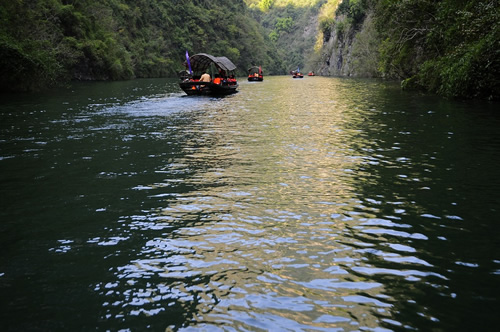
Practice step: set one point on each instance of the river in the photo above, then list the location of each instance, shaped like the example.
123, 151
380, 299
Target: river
314, 204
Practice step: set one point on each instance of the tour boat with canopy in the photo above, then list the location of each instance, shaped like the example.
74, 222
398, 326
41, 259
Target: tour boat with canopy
255, 74
219, 81
297, 73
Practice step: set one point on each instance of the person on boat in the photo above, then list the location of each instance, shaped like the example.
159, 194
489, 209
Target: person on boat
231, 80
205, 77
217, 79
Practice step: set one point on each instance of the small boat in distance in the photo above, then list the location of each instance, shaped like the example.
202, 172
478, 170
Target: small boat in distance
206, 74
255, 74
297, 73
311, 73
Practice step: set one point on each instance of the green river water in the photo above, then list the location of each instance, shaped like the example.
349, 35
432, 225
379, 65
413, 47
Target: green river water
317, 204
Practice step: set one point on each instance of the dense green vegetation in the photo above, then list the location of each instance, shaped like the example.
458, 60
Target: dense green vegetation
450, 47
292, 26
43, 42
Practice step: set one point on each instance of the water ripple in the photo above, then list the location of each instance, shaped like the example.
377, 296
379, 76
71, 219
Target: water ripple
313, 205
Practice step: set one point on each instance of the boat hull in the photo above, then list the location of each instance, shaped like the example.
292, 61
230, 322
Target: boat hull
207, 88
255, 79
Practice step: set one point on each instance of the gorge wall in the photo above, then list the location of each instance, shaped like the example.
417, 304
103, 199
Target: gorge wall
349, 49
446, 47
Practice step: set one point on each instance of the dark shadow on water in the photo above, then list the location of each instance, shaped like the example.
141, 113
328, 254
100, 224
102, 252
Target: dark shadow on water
431, 237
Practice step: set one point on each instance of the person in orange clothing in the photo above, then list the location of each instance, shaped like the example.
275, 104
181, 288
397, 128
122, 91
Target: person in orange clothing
217, 79
231, 80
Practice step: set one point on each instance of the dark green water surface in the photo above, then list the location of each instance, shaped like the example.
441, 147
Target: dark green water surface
319, 204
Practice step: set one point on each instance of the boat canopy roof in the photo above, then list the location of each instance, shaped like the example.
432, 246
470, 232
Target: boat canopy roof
202, 61
255, 69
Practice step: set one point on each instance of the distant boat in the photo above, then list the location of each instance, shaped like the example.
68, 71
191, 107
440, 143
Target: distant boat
221, 82
311, 73
297, 73
255, 74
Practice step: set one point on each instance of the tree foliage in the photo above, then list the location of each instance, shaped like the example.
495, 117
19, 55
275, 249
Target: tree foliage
288, 23
450, 47
265, 5
355, 10
43, 42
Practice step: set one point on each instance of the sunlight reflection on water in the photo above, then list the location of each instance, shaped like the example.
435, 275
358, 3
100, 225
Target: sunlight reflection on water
320, 204
259, 235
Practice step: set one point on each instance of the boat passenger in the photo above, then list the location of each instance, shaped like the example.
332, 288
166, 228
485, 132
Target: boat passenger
231, 80
217, 79
205, 77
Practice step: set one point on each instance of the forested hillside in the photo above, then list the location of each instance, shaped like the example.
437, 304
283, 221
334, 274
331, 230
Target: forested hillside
292, 25
451, 47
43, 42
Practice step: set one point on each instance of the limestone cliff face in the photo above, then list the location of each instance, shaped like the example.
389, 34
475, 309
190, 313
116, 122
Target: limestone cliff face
337, 52
350, 50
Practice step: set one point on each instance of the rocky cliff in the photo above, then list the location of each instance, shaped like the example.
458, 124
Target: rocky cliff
349, 49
